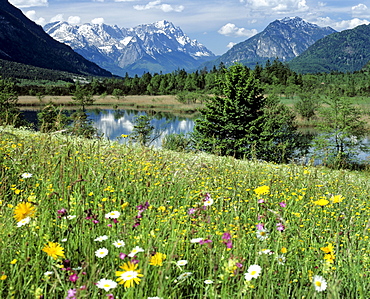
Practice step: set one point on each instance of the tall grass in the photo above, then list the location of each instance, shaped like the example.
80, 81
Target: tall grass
220, 215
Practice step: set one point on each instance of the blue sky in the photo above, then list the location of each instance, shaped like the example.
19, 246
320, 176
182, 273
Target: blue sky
217, 24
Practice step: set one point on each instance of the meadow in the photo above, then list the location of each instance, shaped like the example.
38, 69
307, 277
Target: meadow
97, 219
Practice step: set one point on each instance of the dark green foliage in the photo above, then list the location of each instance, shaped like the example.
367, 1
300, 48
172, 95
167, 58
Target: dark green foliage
82, 96
118, 93
341, 133
345, 51
178, 142
307, 105
9, 113
243, 123
142, 131
82, 125
51, 118
280, 140
23, 41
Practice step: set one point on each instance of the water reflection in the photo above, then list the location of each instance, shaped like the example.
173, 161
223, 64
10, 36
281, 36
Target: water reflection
113, 123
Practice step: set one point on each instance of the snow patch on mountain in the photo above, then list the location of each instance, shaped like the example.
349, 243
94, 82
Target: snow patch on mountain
116, 48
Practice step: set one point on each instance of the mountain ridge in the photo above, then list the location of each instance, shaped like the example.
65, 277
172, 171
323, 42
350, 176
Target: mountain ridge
155, 47
283, 39
23, 41
345, 51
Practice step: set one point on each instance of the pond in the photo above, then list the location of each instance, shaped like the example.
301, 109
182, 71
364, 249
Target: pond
114, 123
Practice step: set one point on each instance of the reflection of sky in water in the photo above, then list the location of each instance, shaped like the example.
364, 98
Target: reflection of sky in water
114, 123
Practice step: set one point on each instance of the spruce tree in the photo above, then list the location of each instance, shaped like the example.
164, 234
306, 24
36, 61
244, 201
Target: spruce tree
244, 123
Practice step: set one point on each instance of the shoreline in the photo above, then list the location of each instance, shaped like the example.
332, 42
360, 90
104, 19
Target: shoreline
160, 103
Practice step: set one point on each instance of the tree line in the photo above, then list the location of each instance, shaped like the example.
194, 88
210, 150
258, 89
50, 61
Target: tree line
274, 77
243, 116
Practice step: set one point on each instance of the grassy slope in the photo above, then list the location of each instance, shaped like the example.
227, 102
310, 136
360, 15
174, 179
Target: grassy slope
93, 178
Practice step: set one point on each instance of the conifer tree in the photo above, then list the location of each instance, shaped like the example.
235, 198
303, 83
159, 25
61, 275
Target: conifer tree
244, 123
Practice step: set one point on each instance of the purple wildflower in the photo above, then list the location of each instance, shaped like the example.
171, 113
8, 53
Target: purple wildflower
259, 226
280, 227
71, 294
73, 277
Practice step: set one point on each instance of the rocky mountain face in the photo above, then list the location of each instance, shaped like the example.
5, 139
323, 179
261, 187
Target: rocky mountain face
283, 39
23, 41
157, 47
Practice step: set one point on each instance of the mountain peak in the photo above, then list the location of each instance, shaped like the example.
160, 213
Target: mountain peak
283, 39
159, 46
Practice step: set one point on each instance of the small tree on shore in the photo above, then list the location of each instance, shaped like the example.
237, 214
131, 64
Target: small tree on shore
341, 132
9, 113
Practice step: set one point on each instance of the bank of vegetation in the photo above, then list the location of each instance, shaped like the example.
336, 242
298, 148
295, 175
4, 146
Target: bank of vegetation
95, 219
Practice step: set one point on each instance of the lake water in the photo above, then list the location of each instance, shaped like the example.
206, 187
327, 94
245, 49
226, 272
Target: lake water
114, 123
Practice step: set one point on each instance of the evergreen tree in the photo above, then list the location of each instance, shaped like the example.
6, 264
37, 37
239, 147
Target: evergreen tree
243, 123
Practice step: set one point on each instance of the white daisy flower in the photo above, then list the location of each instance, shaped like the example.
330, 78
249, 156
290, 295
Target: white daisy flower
262, 234
135, 250
319, 283
281, 259
119, 244
24, 221
106, 284
101, 238
181, 262
208, 281
112, 215
101, 252
196, 240
253, 272
26, 175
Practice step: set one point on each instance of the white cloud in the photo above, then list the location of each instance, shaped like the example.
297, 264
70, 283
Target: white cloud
349, 24
124, 0
29, 3
31, 14
360, 7
231, 30
230, 45
74, 20
57, 18
157, 4
277, 6
342, 25
97, 21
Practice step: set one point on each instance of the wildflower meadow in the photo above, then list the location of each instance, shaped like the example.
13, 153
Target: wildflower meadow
96, 219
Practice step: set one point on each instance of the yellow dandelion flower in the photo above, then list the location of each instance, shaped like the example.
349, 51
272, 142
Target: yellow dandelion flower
337, 198
54, 250
3, 277
283, 250
157, 259
262, 190
321, 202
24, 210
328, 249
330, 257
130, 276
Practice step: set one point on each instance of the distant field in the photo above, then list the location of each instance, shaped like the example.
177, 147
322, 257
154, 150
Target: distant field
167, 103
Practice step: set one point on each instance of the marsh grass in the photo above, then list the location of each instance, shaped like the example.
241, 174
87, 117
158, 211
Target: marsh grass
90, 178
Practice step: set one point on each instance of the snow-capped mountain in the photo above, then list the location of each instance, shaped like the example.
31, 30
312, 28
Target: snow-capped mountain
284, 39
156, 47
